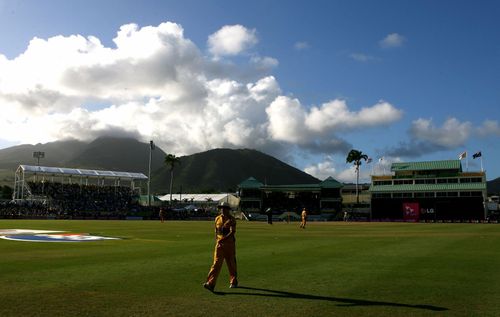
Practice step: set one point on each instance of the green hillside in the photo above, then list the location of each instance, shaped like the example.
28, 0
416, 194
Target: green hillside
224, 169
117, 154
216, 170
494, 186
56, 154
212, 171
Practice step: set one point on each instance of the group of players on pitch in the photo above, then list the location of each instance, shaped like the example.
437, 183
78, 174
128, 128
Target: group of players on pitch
225, 246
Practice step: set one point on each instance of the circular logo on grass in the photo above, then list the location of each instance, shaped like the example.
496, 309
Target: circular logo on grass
6, 232
57, 237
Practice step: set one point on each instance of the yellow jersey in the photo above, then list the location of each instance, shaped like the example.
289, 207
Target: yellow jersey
224, 225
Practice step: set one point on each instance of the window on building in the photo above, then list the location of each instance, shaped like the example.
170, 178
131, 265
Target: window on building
476, 180
382, 183
452, 194
420, 181
441, 194
476, 194
381, 195
452, 180
250, 193
407, 195
429, 194
430, 181
397, 195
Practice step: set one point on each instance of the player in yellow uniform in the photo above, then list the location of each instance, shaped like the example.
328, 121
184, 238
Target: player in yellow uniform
304, 218
225, 248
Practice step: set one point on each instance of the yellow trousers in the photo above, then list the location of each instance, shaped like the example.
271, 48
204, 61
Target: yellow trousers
223, 251
303, 223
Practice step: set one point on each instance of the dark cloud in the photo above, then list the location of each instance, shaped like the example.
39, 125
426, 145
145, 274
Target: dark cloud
412, 149
335, 145
41, 100
116, 132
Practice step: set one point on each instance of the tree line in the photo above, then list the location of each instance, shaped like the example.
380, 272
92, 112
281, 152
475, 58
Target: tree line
6, 192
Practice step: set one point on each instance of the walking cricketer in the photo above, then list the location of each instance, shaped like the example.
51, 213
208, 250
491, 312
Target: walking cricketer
225, 248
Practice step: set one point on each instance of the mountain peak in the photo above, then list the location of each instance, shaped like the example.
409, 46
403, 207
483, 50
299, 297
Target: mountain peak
216, 170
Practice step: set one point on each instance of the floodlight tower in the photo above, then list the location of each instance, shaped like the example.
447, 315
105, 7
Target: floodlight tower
38, 155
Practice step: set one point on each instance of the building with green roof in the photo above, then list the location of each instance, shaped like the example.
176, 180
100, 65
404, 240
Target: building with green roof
429, 191
324, 196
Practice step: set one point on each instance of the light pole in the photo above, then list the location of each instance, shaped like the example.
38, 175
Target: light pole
38, 155
151, 148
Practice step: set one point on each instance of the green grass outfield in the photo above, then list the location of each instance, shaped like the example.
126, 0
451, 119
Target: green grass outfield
328, 269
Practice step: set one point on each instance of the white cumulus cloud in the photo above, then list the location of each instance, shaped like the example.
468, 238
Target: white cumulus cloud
286, 120
451, 134
322, 170
231, 40
360, 57
156, 84
345, 174
392, 40
301, 45
489, 128
337, 116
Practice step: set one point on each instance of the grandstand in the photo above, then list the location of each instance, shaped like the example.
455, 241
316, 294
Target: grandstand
43, 174
429, 191
70, 192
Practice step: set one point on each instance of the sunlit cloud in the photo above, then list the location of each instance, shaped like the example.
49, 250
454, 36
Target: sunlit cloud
392, 40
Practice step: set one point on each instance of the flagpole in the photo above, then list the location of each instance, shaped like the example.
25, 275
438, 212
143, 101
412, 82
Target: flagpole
466, 161
481, 158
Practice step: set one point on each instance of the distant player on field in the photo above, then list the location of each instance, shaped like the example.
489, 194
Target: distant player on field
225, 248
304, 218
162, 214
269, 214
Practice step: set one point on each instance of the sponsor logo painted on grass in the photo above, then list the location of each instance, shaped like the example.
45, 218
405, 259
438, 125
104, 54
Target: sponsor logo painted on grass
48, 236
24, 231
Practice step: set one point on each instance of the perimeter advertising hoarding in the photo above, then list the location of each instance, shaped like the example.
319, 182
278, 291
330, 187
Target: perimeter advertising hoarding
411, 212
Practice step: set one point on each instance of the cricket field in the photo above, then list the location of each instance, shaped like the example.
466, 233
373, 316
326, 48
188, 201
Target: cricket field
328, 269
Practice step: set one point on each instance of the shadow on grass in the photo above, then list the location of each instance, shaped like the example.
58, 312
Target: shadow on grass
346, 301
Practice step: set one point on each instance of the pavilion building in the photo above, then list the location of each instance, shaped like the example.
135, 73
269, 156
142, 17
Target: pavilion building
322, 197
429, 191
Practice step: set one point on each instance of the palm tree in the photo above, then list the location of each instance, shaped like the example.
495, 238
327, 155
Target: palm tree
355, 157
171, 160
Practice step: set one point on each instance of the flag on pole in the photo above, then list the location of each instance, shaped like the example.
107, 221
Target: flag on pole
462, 155
476, 155
369, 160
380, 159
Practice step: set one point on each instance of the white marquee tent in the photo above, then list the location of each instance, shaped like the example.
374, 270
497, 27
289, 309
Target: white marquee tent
25, 173
204, 199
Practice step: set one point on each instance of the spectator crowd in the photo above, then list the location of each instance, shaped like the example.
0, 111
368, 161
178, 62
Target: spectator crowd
51, 200
70, 201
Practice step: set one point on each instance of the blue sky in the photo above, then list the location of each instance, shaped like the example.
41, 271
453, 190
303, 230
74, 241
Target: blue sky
304, 81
